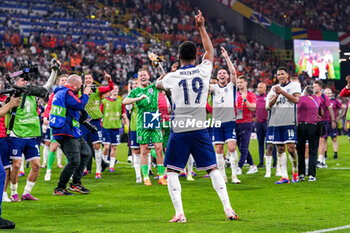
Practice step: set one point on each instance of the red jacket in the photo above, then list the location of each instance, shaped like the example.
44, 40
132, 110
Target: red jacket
48, 107
2, 120
345, 92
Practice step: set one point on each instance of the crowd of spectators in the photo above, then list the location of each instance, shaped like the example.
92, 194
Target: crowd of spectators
332, 15
170, 21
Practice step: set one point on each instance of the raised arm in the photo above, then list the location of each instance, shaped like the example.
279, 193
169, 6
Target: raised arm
233, 73
51, 81
108, 88
159, 84
207, 45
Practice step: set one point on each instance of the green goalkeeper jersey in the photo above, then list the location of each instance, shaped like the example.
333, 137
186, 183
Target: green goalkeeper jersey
149, 104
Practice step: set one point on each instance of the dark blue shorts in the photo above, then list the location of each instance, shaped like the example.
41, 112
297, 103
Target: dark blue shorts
133, 141
226, 132
329, 131
210, 131
95, 137
181, 145
284, 134
4, 153
269, 135
47, 136
111, 136
29, 147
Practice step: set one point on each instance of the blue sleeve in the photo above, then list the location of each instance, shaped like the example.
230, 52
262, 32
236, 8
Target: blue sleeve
73, 102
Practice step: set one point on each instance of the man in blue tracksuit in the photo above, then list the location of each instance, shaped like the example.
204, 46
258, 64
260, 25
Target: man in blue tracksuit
64, 122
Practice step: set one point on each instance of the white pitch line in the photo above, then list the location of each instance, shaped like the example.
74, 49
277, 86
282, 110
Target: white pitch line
339, 168
330, 229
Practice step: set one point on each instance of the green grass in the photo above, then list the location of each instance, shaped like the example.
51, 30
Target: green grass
117, 204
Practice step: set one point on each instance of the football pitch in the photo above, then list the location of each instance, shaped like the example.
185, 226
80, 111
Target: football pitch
117, 204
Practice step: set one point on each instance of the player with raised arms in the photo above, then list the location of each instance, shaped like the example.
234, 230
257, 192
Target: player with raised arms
223, 110
189, 86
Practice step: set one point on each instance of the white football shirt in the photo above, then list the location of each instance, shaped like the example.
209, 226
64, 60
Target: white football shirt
284, 112
189, 88
223, 102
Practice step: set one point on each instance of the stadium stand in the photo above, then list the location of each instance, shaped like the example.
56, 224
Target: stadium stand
334, 15
116, 38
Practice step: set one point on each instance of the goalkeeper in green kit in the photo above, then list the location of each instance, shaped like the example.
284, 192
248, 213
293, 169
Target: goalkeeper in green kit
148, 124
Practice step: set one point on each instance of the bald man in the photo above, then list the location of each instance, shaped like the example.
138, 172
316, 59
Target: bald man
261, 121
64, 122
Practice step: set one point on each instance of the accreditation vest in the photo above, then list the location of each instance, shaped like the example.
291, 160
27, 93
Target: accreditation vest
93, 105
27, 122
112, 113
58, 113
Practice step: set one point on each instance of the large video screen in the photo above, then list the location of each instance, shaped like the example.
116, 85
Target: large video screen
320, 59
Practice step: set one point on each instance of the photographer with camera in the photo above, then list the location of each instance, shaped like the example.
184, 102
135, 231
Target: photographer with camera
64, 123
24, 128
5, 160
93, 109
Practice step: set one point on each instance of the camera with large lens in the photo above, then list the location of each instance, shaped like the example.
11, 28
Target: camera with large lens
28, 69
85, 120
93, 88
55, 65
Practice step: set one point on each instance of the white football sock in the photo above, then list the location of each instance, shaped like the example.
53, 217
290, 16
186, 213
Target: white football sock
22, 164
294, 161
234, 162
112, 162
268, 160
190, 165
306, 166
98, 160
320, 158
137, 164
220, 161
105, 158
279, 166
59, 154
13, 188
284, 162
28, 188
174, 188
220, 188
45, 154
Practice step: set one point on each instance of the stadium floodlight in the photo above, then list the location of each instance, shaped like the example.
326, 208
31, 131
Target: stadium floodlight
347, 54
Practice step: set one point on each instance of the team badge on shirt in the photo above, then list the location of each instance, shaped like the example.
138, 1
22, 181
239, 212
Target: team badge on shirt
150, 91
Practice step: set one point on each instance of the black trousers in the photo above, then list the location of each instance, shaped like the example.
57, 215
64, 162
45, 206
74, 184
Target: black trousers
308, 132
78, 154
